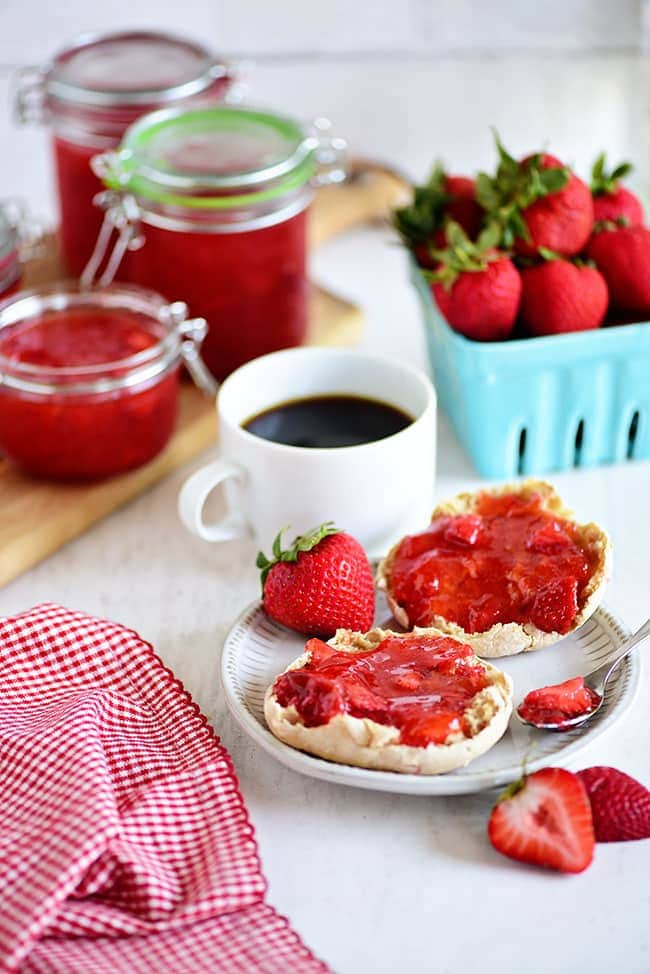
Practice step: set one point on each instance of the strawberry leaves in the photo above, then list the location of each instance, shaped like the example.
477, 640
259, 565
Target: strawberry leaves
417, 222
304, 542
462, 255
515, 187
603, 182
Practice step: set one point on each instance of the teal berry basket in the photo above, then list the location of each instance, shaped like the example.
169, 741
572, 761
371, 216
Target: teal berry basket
534, 405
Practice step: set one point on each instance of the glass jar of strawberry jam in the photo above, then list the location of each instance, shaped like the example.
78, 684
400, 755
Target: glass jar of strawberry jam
91, 92
210, 206
89, 380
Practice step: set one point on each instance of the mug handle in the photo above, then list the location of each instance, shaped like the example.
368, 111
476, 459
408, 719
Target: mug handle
195, 492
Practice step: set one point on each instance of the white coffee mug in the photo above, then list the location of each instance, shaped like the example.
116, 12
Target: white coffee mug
377, 491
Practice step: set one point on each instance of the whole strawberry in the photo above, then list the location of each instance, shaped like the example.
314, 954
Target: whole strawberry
476, 287
545, 819
620, 804
559, 296
422, 224
622, 255
539, 203
612, 201
322, 583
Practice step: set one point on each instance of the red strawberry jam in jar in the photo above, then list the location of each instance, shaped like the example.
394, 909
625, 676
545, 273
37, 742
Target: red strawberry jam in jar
91, 92
210, 206
89, 380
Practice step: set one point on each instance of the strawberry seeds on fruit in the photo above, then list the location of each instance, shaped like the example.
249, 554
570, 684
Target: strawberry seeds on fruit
321, 583
539, 202
620, 804
545, 819
612, 200
476, 286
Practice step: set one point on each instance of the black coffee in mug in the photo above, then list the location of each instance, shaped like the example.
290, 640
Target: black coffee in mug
328, 421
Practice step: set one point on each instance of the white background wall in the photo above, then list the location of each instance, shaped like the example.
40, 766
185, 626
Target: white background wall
403, 81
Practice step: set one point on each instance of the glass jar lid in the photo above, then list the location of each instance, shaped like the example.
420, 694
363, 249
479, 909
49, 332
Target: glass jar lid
174, 337
131, 68
217, 158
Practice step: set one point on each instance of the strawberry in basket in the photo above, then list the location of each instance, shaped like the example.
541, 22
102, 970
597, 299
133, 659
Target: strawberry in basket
622, 255
560, 295
422, 224
612, 201
539, 202
476, 286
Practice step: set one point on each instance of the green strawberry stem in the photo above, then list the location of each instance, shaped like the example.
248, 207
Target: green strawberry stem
417, 222
603, 182
462, 255
304, 542
515, 187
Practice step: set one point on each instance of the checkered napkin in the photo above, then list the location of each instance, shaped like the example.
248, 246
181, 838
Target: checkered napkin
125, 846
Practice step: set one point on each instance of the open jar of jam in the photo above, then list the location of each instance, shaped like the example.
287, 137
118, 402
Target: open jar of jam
91, 92
89, 380
210, 206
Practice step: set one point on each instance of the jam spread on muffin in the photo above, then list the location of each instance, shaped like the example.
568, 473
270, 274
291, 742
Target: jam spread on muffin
510, 560
422, 685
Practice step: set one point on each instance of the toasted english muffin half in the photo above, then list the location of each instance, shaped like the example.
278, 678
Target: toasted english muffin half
364, 743
510, 638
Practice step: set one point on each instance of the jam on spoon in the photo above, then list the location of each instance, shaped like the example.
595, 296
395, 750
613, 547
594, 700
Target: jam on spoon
569, 704
559, 704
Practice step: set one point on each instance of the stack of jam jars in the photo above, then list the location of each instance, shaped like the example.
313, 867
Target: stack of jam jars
91, 92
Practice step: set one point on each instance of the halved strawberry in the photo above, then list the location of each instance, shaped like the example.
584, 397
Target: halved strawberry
545, 819
620, 804
556, 605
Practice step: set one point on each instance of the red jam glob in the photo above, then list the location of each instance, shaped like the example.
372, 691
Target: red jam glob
90, 93
89, 382
222, 195
510, 561
422, 685
560, 703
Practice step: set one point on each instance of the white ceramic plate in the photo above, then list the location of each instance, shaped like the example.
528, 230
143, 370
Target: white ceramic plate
257, 649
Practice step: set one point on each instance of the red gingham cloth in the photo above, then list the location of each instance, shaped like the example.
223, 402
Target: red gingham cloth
125, 846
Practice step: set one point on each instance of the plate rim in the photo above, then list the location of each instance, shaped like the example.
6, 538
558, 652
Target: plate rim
394, 781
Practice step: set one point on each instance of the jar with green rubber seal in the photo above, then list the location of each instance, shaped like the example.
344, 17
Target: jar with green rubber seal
210, 205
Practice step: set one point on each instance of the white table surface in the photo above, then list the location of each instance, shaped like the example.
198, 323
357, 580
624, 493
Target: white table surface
381, 883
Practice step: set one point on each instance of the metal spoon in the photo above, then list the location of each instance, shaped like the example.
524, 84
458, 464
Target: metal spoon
597, 681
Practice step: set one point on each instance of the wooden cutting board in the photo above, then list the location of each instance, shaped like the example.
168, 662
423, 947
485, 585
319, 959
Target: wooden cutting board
38, 516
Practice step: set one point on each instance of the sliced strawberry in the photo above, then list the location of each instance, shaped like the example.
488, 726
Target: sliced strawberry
545, 819
362, 702
316, 697
620, 804
485, 612
466, 529
556, 605
433, 729
548, 539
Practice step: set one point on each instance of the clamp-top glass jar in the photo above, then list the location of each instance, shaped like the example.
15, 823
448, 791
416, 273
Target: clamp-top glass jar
89, 379
210, 206
91, 92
